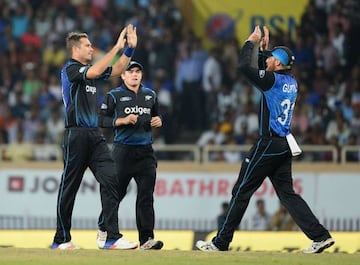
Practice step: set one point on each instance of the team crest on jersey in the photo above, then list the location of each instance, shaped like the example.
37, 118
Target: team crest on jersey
147, 97
82, 69
125, 99
104, 106
261, 73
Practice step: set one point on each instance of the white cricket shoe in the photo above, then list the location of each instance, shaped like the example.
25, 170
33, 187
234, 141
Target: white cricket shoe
101, 238
318, 247
206, 246
121, 243
64, 246
152, 244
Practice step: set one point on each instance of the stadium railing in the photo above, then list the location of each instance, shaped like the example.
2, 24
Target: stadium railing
310, 152
196, 154
33, 222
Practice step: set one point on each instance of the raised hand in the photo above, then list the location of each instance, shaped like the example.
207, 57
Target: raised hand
122, 39
256, 35
264, 42
131, 36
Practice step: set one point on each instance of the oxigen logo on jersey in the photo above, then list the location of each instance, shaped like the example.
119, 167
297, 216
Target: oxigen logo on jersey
90, 89
137, 110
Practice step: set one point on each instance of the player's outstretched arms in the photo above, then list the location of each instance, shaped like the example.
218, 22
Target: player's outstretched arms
100, 66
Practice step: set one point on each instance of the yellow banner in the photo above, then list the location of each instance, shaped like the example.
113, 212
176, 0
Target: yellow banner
86, 239
345, 242
214, 19
294, 241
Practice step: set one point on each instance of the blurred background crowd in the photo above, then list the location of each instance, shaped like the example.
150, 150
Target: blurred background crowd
203, 99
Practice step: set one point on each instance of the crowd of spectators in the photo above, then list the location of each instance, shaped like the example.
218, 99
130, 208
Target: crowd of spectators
201, 95
262, 219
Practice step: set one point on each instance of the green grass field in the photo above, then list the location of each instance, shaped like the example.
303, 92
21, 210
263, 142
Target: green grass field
136, 257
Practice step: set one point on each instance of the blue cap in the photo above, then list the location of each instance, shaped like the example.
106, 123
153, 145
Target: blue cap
133, 64
283, 54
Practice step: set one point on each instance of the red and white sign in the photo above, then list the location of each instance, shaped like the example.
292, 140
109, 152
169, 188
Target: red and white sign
192, 196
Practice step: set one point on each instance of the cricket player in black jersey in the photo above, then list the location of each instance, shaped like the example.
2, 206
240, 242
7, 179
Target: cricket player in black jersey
83, 144
271, 155
132, 110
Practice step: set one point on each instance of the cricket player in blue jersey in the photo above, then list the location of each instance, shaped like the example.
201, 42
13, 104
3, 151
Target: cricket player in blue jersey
271, 155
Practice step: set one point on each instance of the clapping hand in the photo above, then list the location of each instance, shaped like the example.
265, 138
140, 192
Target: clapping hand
131, 36
264, 42
122, 39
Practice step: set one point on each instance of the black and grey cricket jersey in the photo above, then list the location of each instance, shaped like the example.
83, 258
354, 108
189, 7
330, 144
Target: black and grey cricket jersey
119, 103
80, 95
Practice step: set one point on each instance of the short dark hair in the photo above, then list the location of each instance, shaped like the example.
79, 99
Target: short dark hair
73, 39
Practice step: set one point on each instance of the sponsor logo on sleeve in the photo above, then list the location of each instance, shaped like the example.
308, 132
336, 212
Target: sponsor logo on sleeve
262, 73
125, 99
